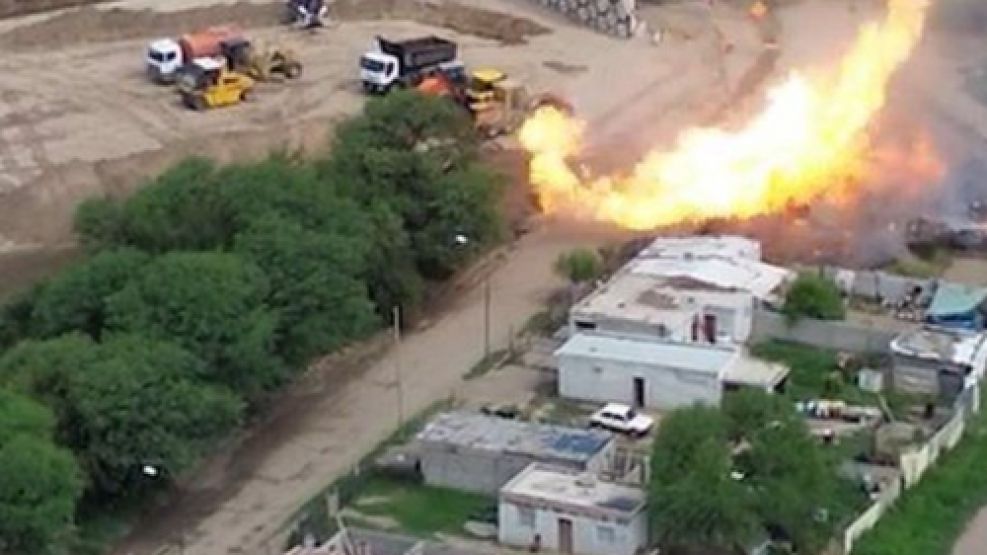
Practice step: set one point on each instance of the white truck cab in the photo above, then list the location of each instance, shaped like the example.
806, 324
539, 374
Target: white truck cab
164, 58
378, 71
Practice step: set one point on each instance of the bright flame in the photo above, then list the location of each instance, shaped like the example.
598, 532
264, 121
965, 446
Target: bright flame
810, 140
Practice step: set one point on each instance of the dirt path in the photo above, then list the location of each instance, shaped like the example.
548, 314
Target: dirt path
974, 539
238, 503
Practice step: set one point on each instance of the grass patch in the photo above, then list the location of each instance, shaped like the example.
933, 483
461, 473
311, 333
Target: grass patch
419, 509
313, 517
930, 517
486, 364
931, 265
815, 374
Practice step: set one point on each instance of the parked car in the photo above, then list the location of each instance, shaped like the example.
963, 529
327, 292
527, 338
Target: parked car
623, 419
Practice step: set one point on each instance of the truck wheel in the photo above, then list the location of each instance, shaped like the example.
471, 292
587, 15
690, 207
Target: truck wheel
195, 102
293, 70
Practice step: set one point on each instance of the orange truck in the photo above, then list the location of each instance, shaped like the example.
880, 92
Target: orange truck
166, 56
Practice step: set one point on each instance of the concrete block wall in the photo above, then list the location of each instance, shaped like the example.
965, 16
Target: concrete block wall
614, 17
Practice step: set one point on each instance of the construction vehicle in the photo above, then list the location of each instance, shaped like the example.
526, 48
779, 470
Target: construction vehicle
207, 83
498, 105
305, 14
406, 63
166, 57
260, 63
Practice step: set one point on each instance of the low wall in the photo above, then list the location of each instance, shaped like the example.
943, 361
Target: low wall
868, 519
614, 17
835, 335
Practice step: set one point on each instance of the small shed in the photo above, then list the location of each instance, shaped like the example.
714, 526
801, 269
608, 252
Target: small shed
479, 453
958, 306
937, 361
568, 512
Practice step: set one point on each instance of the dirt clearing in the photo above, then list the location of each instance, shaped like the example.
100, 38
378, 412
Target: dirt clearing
94, 24
14, 8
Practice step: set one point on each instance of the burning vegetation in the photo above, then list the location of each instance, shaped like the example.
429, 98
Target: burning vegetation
813, 141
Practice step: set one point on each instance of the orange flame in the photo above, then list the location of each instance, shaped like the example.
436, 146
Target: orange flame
810, 140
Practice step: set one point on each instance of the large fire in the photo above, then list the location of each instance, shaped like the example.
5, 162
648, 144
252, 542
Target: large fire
810, 141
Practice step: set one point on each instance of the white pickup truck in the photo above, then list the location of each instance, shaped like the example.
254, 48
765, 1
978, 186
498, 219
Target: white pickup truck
623, 419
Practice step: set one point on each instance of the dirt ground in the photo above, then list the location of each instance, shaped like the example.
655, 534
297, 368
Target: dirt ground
77, 118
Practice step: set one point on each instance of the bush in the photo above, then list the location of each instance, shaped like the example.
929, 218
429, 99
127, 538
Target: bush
813, 296
579, 265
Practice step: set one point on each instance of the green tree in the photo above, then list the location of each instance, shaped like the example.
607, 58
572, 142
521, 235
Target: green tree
43, 369
695, 502
180, 209
16, 322
139, 403
813, 296
75, 300
213, 305
579, 265
39, 486
798, 488
39, 483
750, 410
315, 285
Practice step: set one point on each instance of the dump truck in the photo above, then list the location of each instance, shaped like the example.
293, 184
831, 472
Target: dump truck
207, 83
166, 57
406, 63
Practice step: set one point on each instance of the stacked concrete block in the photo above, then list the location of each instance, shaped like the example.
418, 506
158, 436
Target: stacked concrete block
614, 17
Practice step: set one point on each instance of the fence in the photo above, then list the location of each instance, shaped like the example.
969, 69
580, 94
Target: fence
868, 519
834, 335
614, 17
916, 462
879, 286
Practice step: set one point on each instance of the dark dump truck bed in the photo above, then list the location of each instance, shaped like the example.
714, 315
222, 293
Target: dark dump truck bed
419, 53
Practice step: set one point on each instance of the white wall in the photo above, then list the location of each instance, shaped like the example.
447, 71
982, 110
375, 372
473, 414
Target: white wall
628, 537
613, 381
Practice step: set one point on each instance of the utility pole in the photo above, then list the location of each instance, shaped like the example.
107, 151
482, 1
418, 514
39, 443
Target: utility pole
486, 317
398, 386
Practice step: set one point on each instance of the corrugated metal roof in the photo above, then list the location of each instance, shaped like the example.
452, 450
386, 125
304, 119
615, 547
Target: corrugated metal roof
698, 358
955, 298
956, 346
490, 433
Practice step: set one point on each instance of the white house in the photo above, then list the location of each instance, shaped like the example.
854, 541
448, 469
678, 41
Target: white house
657, 374
684, 289
567, 512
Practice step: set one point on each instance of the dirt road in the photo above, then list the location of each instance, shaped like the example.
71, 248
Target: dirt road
79, 119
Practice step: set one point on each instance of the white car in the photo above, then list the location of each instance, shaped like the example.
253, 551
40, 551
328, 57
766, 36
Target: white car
623, 419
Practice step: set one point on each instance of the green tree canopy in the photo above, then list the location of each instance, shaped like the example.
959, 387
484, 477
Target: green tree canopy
140, 404
39, 483
813, 296
694, 500
211, 304
315, 285
75, 300
39, 486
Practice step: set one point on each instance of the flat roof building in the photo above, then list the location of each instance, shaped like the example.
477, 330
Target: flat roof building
657, 374
569, 512
937, 361
480, 453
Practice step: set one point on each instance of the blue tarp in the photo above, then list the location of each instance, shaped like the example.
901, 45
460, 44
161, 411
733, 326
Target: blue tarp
958, 306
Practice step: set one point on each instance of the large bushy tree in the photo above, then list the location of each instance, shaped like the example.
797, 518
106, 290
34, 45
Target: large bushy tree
39, 482
813, 296
76, 299
213, 305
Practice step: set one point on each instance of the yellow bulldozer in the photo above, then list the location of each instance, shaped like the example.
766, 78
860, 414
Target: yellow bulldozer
207, 83
263, 63
497, 104
500, 105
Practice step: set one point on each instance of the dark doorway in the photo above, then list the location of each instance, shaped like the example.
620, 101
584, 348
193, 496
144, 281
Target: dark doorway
639, 392
565, 535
